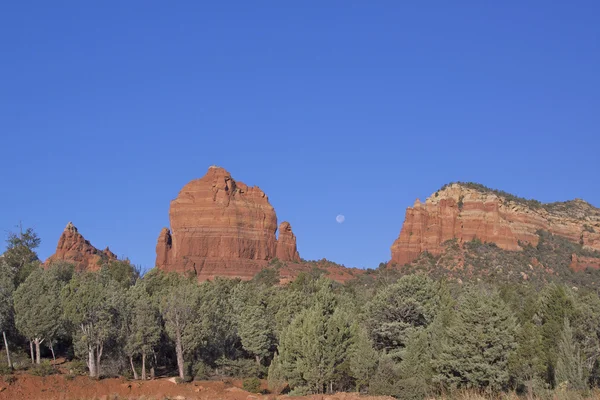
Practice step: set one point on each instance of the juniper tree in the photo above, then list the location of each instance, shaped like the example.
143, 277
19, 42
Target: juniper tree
569, 363
254, 324
479, 343
397, 311
92, 303
6, 303
38, 313
20, 255
143, 328
179, 307
526, 364
363, 359
314, 346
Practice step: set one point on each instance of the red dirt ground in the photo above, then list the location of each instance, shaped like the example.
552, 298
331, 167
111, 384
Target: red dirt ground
56, 387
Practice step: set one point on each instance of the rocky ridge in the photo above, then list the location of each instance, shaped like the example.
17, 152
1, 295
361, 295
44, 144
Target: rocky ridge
466, 212
73, 248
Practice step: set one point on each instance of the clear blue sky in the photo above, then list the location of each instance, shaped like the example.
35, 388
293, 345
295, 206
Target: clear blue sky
108, 108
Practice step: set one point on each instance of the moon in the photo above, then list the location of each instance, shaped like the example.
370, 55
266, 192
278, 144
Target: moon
340, 219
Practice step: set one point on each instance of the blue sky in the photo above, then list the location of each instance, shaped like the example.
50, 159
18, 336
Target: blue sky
342, 107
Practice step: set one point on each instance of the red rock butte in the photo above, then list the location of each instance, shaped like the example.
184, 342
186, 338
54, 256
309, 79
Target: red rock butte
465, 212
75, 249
222, 227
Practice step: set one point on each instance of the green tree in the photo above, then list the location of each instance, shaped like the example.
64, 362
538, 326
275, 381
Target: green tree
399, 310
215, 325
526, 364
93, 305
38, 313
363, 359
569, 364
121, 271
179, 308
479, 343
254, 324
20, 255
556, 303
6, 303
315, 345
144, 327
416, 370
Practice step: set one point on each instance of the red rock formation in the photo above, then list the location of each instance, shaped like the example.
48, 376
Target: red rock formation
463, 212
221, 227
581, 263
286, 244
73, 248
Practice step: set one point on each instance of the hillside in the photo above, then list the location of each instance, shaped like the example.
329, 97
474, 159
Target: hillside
467, 229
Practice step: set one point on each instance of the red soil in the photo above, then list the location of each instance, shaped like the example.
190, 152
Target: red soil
56, 387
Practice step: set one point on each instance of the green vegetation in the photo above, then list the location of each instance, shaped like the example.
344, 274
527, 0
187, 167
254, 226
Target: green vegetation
539, 265
566, 207
482, 327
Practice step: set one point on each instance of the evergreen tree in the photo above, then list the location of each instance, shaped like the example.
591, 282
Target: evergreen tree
363, 359
479, 342
556, 303
93, 305
20, 255
399, 310
315, 345
254, 325
569, 364
415, 370
6, 303
526, 364
179, 309
38, 313
143, 325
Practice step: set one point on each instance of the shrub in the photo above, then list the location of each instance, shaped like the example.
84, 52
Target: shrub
186, 379
5, 369
251, 385
44, 368
78, 367
238, 368
201, 371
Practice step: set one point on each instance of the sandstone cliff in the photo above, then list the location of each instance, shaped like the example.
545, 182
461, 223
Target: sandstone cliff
222, 227
470, 211
286, 243
73, 248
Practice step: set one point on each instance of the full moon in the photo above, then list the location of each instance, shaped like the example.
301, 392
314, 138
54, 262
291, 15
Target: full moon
340, 218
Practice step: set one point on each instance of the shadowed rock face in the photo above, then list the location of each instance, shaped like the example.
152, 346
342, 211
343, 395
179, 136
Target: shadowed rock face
221, 227
73, 248
464, 213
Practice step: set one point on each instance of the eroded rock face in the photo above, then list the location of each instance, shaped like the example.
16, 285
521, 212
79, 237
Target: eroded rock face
286, 244
221, 227
74, 248
579, 264
465, 213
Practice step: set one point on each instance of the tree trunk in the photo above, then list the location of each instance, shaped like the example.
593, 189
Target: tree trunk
37, 342
258, 361
143, 365
52, 350
99, 355
7, 351
31, 351
135, 375
179, 350
91, 361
